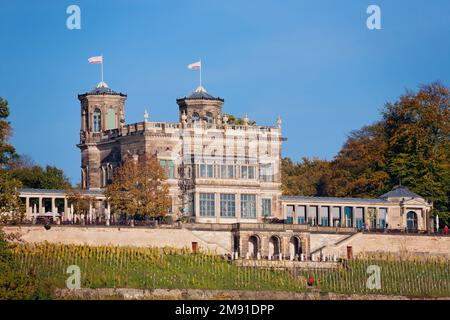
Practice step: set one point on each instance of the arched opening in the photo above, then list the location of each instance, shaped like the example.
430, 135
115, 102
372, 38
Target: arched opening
411, 221
209, 117
195, 117
236, 244
274, 247
295, 248
253, 246
96, 120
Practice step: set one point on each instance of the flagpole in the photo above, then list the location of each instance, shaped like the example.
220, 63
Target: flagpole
102, 67
201, 67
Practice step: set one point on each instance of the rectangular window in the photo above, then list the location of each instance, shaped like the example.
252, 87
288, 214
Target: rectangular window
207, 205
324, 216
290, 214
312, 216
227, 171
348, 212
206, 171
359, 218
382, 214
248, 206
169, 168
301, 214
266, 207
266, 172
336, 216
227, 205
248, 172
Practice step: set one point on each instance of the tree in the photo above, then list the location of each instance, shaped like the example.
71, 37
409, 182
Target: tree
304, 178
81, 203
359, 168
11, 208
139, 189
36, 177
417, 128
7, 151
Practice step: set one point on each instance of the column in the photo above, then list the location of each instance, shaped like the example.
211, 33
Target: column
294, 215
237, 198
53, 205
40, 205
307, 213
217, 206
27, 204
66, 209
108, 213
353, 217
197, 206
342, 217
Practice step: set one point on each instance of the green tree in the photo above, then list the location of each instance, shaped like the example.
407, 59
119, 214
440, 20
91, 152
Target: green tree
7, 151
36, 177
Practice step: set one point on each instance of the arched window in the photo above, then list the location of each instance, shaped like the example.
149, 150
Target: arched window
411, 221
209, 117
96, 120
195, 117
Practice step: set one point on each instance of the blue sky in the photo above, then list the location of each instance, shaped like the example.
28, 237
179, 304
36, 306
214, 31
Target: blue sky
313, 62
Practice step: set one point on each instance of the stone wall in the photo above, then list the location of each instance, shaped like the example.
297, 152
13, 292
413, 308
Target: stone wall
419, 245
139, 237
221, 241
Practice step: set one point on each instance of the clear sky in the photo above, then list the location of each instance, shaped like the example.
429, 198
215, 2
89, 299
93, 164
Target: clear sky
313, 62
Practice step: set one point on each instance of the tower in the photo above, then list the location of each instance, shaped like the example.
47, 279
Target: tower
200, 106
102, 109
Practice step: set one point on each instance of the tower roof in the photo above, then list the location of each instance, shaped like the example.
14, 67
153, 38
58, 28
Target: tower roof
200, 94
102, 89
400, 192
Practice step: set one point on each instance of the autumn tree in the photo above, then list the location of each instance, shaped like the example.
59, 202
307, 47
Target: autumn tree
306, 177
139, 189
81, 203
417, 129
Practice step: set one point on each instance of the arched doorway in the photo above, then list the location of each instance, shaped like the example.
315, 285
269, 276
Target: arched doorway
274, 247
411, 221
253, 246
295, 248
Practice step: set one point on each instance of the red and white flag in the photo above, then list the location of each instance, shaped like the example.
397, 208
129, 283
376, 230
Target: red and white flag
96, 60
195, 65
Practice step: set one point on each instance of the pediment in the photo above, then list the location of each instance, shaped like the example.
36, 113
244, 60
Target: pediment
414, 202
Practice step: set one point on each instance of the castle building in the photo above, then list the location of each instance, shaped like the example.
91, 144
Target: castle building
220, 171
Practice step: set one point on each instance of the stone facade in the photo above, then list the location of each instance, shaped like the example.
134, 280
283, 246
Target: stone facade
219, 172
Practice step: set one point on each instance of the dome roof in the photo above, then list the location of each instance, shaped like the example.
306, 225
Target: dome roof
400, 192
200, 94
102, 89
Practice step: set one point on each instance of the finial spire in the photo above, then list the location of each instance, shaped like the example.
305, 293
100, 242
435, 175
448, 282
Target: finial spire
279, 122
145, 115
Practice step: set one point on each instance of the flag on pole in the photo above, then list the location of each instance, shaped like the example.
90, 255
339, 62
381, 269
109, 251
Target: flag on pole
195, 65
96, 60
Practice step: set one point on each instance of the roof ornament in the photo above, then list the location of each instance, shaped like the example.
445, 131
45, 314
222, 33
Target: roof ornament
246, 120
225, 118
102, 84
145, 115
184, 117
279, 122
